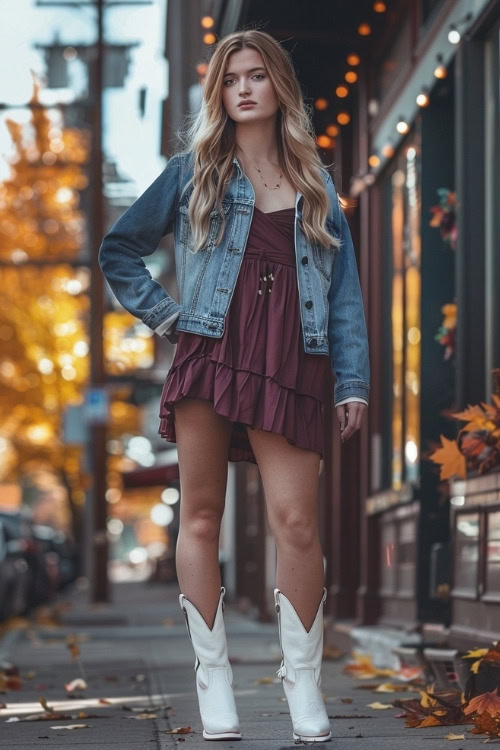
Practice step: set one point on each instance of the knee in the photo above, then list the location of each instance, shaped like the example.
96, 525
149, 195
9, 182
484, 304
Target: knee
297, 530
203, 524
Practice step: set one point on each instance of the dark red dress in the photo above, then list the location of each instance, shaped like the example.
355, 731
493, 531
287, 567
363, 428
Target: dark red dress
258, 373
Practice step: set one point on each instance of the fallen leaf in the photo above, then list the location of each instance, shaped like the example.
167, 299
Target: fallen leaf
72, 644
266, 680
105, 702
389, 687
452, 736
346, 700
73, 726
143, 716
379, 705
332, 653
77, 684
45, 705
485, 702
486, 724
430, 721
179, 730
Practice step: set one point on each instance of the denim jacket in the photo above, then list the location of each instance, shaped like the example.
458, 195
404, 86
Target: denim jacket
331, 306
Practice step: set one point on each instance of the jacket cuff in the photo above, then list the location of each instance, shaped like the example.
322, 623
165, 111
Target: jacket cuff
351, 388
165, 326
161, 312
351, 398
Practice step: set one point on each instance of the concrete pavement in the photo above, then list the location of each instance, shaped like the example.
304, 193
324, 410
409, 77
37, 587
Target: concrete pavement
138, 664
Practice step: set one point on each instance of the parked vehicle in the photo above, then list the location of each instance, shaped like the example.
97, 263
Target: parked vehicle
14, 579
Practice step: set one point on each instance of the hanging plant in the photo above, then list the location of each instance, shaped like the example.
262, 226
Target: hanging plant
444, 216
477, 447
446, 334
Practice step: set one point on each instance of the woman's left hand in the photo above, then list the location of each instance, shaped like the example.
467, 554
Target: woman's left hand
350, 416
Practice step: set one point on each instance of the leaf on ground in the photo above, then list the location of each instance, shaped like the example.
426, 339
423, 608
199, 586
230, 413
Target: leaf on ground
9, 682
77, 684
378, 705
485, 723
485, 702
346, 700
332, 653
105, 702
452, 736
44, 704
72, 644
140, 717
390, 687
266, 680
179, 730
73, 726
362, 668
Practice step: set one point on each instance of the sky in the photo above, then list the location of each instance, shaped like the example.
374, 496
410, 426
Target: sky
129, 140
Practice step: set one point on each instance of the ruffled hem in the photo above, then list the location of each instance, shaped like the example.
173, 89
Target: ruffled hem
245, 398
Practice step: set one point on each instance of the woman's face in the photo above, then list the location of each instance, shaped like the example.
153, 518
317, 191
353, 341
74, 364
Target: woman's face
246, 77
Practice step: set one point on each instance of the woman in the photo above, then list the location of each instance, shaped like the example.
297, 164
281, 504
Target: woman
269, 300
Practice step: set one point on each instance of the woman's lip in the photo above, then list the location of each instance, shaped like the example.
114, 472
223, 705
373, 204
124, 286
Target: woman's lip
248, 104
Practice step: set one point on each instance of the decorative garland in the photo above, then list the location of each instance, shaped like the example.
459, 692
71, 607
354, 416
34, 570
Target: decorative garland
444, 217
477, 447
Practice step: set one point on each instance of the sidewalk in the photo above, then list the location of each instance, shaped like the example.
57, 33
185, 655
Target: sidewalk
137, 658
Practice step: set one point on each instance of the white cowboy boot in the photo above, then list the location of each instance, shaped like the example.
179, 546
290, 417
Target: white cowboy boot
214, 676
300, 671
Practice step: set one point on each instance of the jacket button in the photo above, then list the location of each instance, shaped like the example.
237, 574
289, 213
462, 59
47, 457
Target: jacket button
305, 260
313, 343
212, 325
309, 304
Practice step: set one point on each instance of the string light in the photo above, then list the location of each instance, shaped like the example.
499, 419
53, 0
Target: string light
454, 35
207, 22
324, 141
373, 160
332, 130
402, 126
364, 29
351, 76
209, 38
379, 7
440, 69
321, 103
423, 99
342, 91
343, 118
353, 59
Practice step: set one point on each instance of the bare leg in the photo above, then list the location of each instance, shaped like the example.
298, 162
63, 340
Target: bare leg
290, 476
202, 445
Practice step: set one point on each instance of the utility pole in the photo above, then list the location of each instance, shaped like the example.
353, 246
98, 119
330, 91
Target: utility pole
99, 589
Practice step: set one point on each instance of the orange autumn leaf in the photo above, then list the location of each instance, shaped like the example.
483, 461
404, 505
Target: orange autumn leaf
431, 721
485, 702
486, 724
451, 460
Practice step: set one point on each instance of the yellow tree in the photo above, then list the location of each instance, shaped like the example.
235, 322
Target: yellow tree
44, 365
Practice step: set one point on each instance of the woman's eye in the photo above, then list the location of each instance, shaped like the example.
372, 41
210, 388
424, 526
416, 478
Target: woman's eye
258, 75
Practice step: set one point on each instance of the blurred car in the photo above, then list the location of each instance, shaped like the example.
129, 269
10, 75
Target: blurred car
60, 555
14, 579
18, 530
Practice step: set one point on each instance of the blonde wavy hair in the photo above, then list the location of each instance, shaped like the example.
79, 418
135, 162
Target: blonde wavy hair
210, 135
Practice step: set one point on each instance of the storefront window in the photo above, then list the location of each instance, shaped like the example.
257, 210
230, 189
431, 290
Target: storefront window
466, 553
405, 317
493, 553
